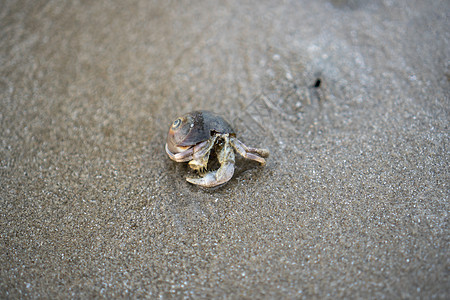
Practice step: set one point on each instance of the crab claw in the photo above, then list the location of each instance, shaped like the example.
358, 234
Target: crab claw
214, 178
224, 173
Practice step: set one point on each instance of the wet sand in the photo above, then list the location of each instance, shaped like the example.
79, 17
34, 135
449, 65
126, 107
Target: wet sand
351, 98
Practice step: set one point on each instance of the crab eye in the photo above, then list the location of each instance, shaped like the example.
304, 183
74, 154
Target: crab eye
176, 123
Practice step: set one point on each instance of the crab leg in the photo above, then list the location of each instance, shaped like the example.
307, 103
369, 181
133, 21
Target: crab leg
181, 156
201, 154
248, 152
224, 173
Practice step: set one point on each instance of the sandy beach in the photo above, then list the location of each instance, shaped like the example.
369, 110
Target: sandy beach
351, 97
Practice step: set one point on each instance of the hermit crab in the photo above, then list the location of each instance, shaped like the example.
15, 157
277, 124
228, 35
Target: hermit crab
193, 136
